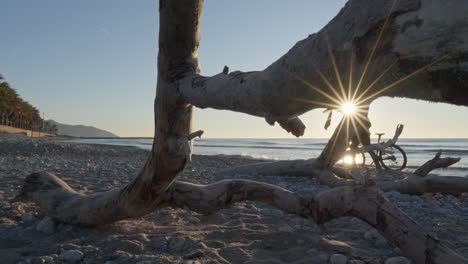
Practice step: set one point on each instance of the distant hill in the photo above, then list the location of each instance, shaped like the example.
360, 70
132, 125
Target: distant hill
80, 130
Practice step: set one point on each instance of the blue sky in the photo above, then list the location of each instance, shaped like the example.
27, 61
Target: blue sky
94, 63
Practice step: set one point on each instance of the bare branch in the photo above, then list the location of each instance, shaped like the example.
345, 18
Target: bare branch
195, 134
365, 203
435, 163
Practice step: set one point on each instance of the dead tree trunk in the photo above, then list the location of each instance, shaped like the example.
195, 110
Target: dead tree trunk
280, 93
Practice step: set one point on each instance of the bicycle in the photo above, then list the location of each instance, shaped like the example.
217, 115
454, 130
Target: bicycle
391, 158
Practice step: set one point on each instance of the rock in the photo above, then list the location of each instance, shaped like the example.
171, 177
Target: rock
48, 259
397, 251
176, 244
28, 219
320, 259
193, 220
131, 246
37, 260
71, 256
380, 243
159, 243
46, 225
194, 255
356, 261
337, 246
338, 259
397, 260
370, 235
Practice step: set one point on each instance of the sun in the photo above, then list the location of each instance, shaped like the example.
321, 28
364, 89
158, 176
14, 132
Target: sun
348, 108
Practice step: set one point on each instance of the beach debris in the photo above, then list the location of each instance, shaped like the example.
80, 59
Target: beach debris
225, 69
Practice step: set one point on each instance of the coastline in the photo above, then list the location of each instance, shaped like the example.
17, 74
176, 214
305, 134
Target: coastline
248, 232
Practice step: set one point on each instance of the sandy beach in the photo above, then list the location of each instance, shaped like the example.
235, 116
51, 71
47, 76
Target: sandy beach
249, 232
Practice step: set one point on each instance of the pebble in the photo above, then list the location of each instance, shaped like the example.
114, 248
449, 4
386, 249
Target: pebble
159, 243
397, 260
46, 225
71, 256
380, 243
337, 246
27, 218
131, 246
176, 244
338, 259
356, 261
370, 235
193, 220
37, 260
48, 259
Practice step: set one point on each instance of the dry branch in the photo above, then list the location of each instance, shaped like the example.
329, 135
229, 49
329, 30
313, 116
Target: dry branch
435, 163
365, 203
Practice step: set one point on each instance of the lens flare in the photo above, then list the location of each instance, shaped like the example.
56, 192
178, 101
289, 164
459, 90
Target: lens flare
348, 108
348, 160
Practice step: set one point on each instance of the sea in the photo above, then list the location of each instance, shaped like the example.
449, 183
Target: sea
418, 151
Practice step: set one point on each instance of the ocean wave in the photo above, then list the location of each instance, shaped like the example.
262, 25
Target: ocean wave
450, 151
449, 168
253, 147
265, 143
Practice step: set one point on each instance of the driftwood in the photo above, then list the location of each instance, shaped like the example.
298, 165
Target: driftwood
435, 163
280, 93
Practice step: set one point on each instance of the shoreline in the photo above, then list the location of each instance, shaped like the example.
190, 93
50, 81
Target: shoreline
248, 232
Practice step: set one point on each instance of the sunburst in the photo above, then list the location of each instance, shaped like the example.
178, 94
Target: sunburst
352, 100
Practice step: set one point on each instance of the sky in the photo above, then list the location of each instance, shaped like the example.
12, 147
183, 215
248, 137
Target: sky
94, 63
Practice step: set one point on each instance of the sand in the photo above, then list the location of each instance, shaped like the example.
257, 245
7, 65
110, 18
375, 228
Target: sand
249, 232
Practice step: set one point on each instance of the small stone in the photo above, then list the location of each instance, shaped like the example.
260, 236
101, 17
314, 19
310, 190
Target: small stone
397, 260
193, 220
159, 243
48, 259
338, 259
46, 225
176, 244
37, 260
69, 246
369, 235
319, 259
337, 246
285, 228
356, 261
27, 218
194, 255
131, 246
380, 243
397, 251
71, 256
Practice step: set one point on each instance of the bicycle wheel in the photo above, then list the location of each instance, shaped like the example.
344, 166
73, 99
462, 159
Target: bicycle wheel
394, 160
